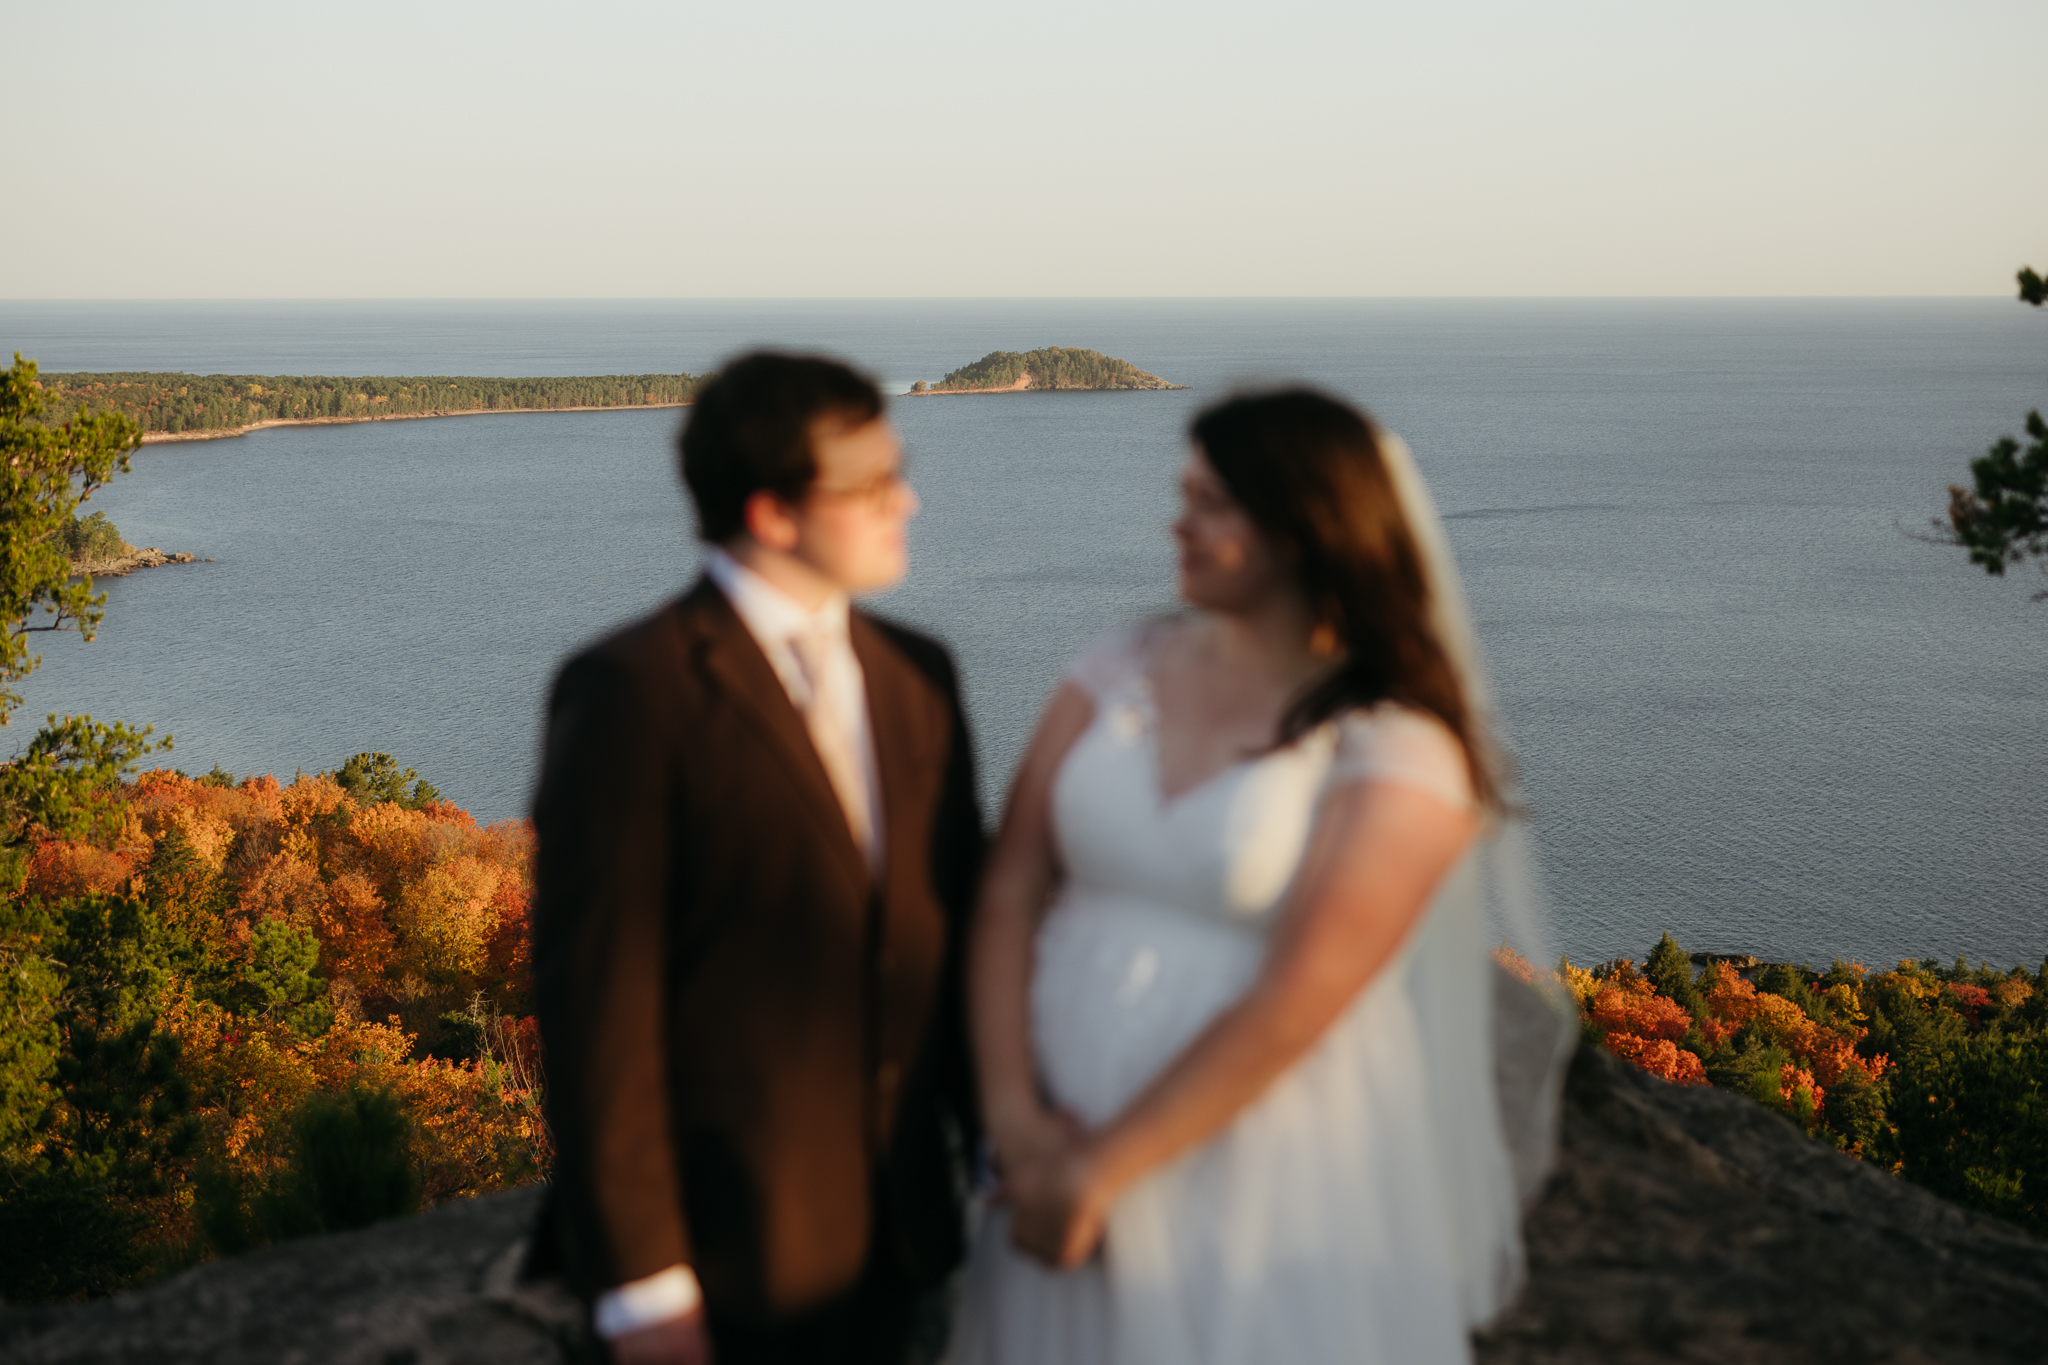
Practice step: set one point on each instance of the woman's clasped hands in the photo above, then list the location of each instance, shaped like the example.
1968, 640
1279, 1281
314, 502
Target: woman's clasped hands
1053, 1183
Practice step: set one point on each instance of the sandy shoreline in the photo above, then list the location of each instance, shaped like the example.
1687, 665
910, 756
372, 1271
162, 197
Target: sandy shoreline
222, 433
1020, 384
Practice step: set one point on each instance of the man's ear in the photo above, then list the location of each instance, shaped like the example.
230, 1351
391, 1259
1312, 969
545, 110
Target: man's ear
771, 522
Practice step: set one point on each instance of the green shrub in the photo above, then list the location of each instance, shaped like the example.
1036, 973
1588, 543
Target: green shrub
1753, 1066
1793, 983
1971, 1124
351, 1165
63, 1236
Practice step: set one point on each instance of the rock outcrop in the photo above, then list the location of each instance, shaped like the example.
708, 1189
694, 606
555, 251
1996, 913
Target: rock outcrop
433, 1289
1682, 1224
130, 559
1687, 1224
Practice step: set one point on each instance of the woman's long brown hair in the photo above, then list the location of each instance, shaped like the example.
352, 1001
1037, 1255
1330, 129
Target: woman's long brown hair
1308, 471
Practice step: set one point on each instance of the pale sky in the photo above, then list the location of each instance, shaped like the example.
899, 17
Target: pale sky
205, 150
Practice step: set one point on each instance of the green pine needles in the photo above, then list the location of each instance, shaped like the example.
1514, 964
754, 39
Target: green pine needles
2002, 518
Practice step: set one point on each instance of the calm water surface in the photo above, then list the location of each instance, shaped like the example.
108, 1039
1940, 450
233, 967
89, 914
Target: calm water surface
1748, 708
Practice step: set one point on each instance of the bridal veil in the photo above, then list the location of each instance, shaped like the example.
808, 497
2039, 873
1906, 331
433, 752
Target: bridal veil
1495, 1045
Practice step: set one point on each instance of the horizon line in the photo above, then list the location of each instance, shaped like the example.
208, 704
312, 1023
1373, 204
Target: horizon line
785, 299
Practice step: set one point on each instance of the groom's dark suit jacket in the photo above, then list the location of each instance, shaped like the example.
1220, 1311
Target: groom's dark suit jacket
756, 1056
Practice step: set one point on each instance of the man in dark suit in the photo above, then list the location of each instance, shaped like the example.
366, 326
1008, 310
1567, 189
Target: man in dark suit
758, 843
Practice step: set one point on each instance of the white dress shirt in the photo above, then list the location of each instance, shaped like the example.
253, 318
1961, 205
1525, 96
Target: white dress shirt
775, 621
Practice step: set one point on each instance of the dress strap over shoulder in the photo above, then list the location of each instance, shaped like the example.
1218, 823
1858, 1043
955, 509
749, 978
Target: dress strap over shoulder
1395, 743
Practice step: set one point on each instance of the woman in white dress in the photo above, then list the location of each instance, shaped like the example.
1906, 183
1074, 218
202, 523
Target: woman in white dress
1232, 1001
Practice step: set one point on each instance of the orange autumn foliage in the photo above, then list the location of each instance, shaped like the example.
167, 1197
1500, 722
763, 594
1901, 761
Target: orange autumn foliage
1825, 1053
356, 941
1794, 1081
414, 909
1514, 964
2013, 992
419, 918
1660, 1057
1644, 1027
478, 1124
58, 870
1631, 1005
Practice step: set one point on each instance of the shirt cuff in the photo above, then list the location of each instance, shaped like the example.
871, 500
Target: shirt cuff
661, 1297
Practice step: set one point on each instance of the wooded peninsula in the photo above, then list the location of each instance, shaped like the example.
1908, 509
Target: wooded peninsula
174, 406
190, 406
1048, 367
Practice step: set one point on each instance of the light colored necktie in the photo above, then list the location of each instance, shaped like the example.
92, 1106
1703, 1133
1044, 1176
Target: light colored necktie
831, 732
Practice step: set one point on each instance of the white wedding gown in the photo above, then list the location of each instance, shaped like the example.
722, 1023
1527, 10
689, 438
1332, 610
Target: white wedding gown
1362, 1209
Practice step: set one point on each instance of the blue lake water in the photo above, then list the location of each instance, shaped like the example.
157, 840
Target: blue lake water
1747, 706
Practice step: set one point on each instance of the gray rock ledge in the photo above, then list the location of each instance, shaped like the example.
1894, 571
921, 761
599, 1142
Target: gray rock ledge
1682, 1224
427, 1291
1689, 1224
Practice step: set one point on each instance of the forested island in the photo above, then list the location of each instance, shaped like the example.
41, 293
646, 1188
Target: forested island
172, 406
189, 406
1048, 367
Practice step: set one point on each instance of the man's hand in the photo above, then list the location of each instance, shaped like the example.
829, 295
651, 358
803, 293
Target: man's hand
1032, 1133
679, 1341
1058, 1207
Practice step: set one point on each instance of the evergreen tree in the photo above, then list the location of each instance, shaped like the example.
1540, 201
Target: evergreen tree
1670, 971
2002, 518
45, 473
371, 778
117, 1121
91, 1100
278, 980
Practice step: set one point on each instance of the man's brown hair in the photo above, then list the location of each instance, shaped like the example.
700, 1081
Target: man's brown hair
749, 431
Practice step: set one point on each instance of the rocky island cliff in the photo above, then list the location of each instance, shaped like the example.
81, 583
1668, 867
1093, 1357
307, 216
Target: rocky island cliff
1681, 1224
1048, 367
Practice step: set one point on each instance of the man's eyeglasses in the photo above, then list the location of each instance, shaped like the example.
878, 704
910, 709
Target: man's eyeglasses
875, 493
